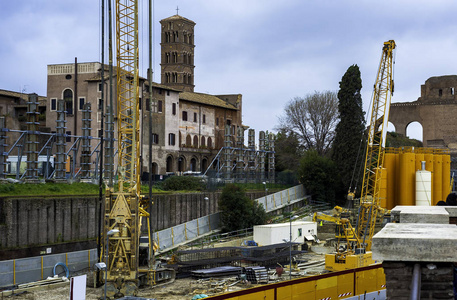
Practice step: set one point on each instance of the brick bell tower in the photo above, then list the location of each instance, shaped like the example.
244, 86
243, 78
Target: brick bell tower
177, 55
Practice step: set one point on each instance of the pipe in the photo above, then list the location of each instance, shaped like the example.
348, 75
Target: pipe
75, 99
416, 283
151, 258
65, 268
101, 208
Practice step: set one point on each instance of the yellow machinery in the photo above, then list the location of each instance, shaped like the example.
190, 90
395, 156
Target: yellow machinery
357, 251
124, 207
344, 229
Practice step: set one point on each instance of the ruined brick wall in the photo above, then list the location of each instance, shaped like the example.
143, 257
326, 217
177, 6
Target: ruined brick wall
435, 110
436, 280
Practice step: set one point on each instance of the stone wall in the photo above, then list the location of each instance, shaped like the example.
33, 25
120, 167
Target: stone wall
27, 221
423, 236
436, 280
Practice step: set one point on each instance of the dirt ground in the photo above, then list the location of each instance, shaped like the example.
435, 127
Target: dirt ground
180, 289
184, 288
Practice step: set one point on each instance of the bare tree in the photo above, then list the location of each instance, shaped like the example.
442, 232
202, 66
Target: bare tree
313, 118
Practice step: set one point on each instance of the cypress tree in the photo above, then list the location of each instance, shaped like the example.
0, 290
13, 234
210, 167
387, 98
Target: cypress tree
349, 132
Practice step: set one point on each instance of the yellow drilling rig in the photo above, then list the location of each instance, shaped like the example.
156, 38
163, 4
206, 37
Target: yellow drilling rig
124, 207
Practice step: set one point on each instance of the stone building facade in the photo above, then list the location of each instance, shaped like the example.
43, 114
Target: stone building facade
13, 107
187, 127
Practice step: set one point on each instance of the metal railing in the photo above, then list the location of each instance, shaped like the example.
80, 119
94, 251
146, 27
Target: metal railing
171, 238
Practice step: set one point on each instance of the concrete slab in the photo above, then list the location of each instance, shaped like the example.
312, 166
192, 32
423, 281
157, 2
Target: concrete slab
421, 214
452, 210
416, 242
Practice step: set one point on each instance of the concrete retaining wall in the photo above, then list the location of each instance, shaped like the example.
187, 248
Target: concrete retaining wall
26, 221
47, 220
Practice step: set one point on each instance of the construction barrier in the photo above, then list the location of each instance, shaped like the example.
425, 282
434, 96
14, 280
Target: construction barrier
18, 271
369, 282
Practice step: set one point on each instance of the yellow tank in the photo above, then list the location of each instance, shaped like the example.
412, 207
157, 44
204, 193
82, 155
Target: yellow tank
446, 165
406, 195
428, 157
401, 165
397, 181
389, 163
437, 179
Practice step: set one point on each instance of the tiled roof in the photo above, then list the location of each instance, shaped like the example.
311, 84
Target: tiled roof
20, 95
205, 99
162, 86
177, 17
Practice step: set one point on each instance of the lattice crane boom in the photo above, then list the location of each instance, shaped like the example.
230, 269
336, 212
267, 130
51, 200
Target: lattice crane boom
124, 207
374, 157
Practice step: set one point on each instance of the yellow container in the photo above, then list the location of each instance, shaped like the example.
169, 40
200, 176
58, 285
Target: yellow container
428, 157
406, 195
389, 163
437, 180
446, 165
397, 180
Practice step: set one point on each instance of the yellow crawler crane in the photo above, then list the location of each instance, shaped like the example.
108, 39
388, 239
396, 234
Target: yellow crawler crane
124, 207
357, 253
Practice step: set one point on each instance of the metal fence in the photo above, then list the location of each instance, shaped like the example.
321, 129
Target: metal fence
170, 238
18, 271
283, 198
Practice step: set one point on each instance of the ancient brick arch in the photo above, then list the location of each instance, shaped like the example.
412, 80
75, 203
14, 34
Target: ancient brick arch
435, 110
403, 114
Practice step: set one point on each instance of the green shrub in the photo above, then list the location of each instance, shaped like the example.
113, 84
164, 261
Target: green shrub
183, 183
238, 211
317, 174
287, 177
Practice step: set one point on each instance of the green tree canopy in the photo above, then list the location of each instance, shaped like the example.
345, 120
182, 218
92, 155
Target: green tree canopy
348, 150
317, 174
238, 211
288, 151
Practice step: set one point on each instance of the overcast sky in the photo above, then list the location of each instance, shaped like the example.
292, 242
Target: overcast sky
268, 51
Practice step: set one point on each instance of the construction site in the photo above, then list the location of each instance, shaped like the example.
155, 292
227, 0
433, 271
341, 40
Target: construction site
395, 240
